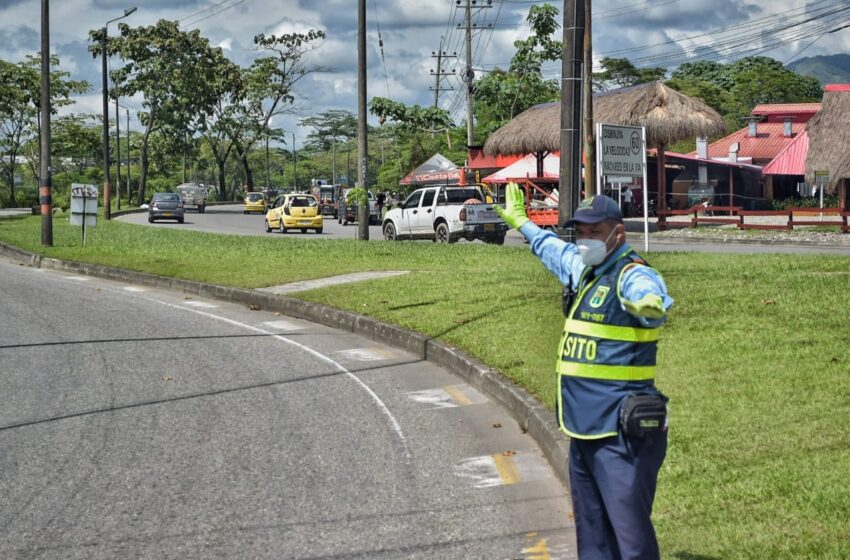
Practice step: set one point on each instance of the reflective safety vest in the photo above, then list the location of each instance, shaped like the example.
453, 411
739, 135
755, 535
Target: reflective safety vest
604, 355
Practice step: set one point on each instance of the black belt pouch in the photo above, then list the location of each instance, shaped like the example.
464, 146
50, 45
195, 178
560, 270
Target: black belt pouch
643, 414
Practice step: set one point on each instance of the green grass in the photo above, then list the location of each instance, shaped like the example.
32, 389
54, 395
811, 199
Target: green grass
754, 358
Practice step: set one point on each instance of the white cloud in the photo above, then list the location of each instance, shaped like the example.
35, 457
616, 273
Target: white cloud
410, 32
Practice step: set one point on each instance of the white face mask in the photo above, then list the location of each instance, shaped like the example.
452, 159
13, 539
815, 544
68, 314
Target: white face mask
594, 251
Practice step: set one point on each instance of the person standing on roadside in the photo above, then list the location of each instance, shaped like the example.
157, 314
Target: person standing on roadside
627, 202
615, 305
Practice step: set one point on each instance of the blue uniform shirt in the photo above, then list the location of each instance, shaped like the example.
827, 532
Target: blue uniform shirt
564, 261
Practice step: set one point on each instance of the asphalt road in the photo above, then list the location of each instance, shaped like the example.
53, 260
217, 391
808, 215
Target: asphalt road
144, 424
230, 220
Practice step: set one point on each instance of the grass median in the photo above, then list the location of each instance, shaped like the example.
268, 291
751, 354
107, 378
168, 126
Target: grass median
754, 358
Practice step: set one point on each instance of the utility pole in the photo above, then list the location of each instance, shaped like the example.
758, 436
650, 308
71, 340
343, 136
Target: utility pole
117, 153
440, 56
129, 188
45, 183
469, 73
571, 90
333, 159
268, 169
587, 86
294, 164
362, 130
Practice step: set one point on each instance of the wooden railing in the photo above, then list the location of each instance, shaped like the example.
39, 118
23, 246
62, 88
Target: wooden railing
737, 216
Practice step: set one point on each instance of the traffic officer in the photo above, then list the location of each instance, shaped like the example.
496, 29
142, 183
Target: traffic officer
607, 402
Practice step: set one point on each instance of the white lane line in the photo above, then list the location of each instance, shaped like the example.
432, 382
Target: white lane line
134, 289
284, 325
202, 304
364, 354
388, 415
77, 278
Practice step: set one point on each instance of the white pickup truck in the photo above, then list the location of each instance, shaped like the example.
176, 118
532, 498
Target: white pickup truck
445, 214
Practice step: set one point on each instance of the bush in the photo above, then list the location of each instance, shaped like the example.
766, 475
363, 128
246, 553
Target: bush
814, 202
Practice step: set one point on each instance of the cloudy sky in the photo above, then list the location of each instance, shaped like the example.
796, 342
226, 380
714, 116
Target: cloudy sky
650, 32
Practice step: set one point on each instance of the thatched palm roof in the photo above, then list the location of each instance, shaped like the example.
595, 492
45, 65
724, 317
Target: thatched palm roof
828, 137
668, 116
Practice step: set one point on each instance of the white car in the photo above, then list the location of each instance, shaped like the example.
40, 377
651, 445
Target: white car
445, 214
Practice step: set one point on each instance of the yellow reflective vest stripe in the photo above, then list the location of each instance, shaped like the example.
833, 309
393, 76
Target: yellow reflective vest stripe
605, 371
611, 332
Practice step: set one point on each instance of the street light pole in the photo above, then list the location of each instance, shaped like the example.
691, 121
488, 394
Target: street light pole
107, 211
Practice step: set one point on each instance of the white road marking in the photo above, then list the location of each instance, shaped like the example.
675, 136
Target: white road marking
284, 325
437, 398
391, 419
201, 304
484, 472
481, 471
77, 278
364, 354
448, 397
134, 289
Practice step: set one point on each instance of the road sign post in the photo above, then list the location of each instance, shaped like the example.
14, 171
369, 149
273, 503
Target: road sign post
621, 151
83, 206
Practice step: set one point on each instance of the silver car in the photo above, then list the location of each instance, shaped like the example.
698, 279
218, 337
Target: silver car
166, 206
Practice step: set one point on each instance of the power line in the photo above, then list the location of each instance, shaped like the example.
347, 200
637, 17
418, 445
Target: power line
196, 22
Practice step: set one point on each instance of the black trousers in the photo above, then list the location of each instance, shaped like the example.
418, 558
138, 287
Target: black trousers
613, 481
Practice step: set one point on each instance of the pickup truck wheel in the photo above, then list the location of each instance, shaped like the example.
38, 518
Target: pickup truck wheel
498, 240
441, 234
201, 208
390, 233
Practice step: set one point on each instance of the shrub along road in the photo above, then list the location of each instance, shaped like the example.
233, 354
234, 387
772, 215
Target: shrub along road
754, 359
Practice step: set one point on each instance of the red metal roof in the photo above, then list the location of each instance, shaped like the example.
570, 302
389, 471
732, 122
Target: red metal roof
766, 145
837, 87
672, 156
477, 160
791, 160
778, 112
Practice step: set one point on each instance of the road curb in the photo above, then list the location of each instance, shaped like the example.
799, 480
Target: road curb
532, 417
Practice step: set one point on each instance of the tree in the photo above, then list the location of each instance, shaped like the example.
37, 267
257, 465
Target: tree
172, 69
328, 128
20, 109
219, 126
77, 138
503, 94
622, 73
734, 89
269, 88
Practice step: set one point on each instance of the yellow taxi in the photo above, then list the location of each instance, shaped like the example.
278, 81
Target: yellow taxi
254, 202
294, 211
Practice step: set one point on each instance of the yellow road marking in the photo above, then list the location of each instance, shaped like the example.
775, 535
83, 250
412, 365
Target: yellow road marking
507, 469
457, 395
538, 551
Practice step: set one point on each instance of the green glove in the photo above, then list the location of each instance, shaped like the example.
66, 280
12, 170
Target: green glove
514, 211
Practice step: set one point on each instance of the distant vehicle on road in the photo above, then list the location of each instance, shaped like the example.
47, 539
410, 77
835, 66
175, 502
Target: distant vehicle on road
294, 211
166, 206
254, 202
192, 194
445, 214
348, 214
